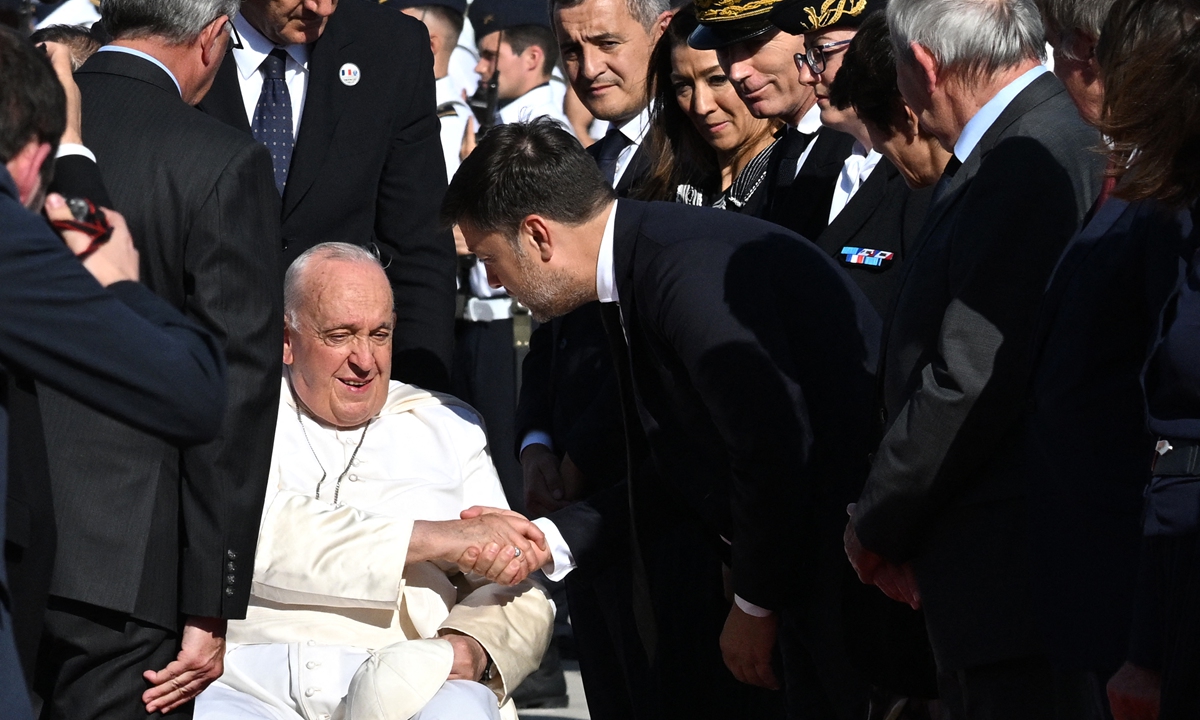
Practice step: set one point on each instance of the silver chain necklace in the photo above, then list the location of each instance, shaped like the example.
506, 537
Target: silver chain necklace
337, 488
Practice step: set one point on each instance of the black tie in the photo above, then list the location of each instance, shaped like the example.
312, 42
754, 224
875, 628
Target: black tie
610, 153
947, 175
791, 149
643, 606
273, 116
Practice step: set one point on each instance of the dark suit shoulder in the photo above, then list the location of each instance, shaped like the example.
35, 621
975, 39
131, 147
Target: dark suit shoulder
383, 28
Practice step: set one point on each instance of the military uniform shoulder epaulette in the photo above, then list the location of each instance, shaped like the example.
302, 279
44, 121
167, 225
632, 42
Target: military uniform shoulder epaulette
448, 109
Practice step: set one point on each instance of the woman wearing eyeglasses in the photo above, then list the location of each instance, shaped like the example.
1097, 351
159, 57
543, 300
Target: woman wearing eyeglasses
706, 147
874, 215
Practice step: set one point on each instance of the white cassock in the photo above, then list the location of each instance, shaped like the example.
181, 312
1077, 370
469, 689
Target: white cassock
333, 609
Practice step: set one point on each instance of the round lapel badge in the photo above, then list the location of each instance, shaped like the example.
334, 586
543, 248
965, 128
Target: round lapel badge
350, 74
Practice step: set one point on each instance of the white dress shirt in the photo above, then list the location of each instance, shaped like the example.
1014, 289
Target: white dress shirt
983, 120
255, 49
809, 125
634, 129
855, 171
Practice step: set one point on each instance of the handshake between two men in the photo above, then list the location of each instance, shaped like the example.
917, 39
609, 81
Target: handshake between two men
500, 545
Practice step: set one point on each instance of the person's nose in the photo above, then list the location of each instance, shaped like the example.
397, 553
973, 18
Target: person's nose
591, 63
492, 279
807, 77
740, 70
483, 68
324, 8
362, 357
702, 100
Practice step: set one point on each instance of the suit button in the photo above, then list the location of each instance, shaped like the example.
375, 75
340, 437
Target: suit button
231, 555
231, 579
229, 591
883, 416
231, 567
562, 344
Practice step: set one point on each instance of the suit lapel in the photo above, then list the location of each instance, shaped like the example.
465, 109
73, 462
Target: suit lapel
224, 100
322, 110
861, 207
638, 164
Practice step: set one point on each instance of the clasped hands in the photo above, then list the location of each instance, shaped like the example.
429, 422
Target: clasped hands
501, 545
896, 581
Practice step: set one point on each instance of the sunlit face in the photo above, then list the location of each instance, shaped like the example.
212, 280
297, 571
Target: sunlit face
821, 82
340, 353
548, 289
764, 74
289, 22
495, 54
706, 96
605, 53
1075, 65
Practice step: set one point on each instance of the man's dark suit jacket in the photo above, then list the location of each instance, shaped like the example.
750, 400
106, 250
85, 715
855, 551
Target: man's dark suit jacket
955, 368
368, 169
1083, 446
122, 351
201, 204
885, 214
752, 416
801, 202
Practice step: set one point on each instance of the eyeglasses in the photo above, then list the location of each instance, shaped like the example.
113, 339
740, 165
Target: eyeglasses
1066, 44
233, 33
815, 57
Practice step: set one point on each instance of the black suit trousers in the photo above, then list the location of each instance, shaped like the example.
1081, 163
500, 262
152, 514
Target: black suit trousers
92, 660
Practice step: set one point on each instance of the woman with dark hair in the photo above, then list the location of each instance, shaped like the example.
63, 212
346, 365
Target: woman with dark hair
1149, 57
875, 215
705, 146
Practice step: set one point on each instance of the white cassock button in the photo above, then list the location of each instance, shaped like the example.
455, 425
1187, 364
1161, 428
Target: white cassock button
311, 691
353, 478
312, 665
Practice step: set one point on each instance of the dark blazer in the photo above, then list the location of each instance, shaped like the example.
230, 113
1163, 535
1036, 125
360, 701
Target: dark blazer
747, 424
60, 327
201, 204
368, 169
1083, 443
885, 214
800, 202
955, 367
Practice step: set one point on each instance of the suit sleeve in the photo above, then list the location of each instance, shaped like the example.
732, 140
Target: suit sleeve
232, 263
1017, 215
418, 253
62, 328
752, 398
534, 405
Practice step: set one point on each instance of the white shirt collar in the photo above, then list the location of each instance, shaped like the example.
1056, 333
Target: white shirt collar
528, 105
606, 272
811, 122
979, 124
144, 56
636, 127
255, 48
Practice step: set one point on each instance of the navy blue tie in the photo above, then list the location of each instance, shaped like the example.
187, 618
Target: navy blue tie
273, 116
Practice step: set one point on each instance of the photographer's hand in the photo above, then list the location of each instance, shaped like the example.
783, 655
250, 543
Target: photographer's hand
115, 260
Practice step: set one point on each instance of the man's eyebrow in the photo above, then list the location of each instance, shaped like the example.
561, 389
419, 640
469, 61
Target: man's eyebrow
604, 37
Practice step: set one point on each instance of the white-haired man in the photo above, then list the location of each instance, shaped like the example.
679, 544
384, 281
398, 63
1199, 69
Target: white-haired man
948, 491
357, 609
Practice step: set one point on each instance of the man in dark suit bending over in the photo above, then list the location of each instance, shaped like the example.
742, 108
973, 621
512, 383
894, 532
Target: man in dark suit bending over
342, 94
757, 421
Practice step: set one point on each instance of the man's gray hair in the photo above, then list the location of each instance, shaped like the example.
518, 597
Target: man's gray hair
293, 280
1068, 16
969, 36
179, 21
646, 12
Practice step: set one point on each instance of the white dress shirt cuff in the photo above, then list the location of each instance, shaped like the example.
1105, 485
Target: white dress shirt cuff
67, 149
562, 562
747, 607
536, 437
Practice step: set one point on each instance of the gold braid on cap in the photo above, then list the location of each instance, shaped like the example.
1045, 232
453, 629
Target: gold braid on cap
710, 11
832, 11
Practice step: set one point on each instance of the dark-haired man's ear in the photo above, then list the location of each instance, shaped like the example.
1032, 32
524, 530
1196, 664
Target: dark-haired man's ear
540, 235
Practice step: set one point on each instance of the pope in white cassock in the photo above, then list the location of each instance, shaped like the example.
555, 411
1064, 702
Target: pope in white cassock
358, 610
